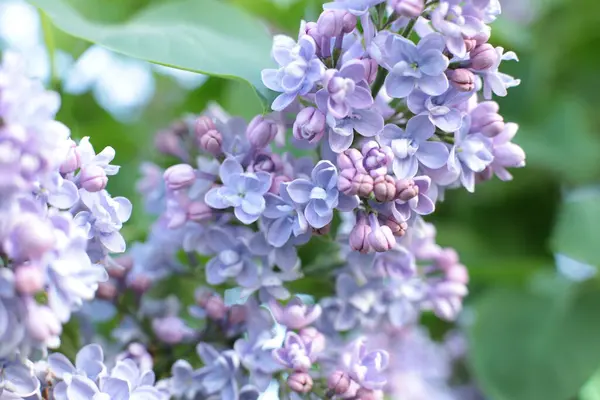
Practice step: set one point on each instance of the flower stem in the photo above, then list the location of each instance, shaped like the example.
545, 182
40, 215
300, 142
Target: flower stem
381, 74
409, 28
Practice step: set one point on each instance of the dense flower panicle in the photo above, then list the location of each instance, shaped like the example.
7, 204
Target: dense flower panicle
387, 122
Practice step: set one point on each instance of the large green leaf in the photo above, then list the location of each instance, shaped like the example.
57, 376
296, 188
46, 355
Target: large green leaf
205, 36
536, 344
577, 231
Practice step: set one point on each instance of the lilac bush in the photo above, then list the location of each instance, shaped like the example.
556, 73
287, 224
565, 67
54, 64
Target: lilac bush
386, 120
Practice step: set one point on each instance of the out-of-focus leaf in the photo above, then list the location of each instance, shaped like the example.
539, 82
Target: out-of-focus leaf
206, 36
284, 14
591, 390
539, 343
577, 230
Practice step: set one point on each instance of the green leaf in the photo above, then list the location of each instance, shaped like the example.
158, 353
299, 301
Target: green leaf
205, 36
536, 344
591, 390
578, 227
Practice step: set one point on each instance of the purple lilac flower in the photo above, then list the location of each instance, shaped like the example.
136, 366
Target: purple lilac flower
295, 314
88, 157
366, 368
17, 380
506, 154
345, 311
367, 123
411, 147
471, 154
356, 7
242, 190
344, 90
299, 69
89, 363
415, 66
421, 204
295, 354
495, 81
151, 187
320, 195
442, 110
449, 20
283, 217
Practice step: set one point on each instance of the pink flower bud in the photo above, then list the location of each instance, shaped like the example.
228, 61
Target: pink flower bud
93, 178
397, 228
462, 79
483, 57
72, 161
140, 284
381, 238
313, 336
167, 142
198, 212
485, 119
29, 238
309, 125
447, 258
371, 68
106, 291
261, 131
300, 382
366, 394
458, 273
483, 36
179, 176
406, 189
203, 125
237, 314
339, 382
384, 188
349, 159
331, 23
311, 29
211, 142
348, 22
277, 181
360, 233
42, 323
215, 308
408, 8
470, 44
29, 279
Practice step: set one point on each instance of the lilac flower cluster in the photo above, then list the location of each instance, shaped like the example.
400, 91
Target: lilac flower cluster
58, 224
384, 120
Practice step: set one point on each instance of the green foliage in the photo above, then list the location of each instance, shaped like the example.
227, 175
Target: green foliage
210, 37
539, 343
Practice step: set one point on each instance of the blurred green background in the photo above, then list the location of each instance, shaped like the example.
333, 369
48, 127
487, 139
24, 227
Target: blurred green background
534, 334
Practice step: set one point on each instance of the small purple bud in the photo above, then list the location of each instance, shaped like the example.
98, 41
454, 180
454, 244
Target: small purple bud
29, 238
29, 279
485, 119
106, 291
215, 307
124, 264
311, 29
376, 158
397, 228
483, 57
353, 183
470, 44
309, 125
360, 233
313, 336
167, 142
331, 23
236, 314
199, 212
277, 181
93, 178
350, 159
366, 394
406, 189
381, 238
211, 142
42, 323
72, 161
483, 36
300, 382
446, 258
140, 284
339, 382
384, 188
458, 273
170, 330
179, 176
408, 8
348, 22
203, 125
462, 79
266, 162
261, 131
371, 68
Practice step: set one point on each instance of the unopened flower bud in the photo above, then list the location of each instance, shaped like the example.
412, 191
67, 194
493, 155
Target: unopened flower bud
348, 22
458, 273
300, 382
485, 119
408, 8
29, 279
140, 284
406, 189
203, 125
261, 131
29, 238
384, 188
397, 228
331, 23
446, 258
309, 125
360, 234
483, 57
371, 68
215, 308
72, 161
349, 159
353, 183
483, 36
381, 238
313, 336
237, 314
338, 382
179, 176
311, 29
106, 291
211, 142
365, 394
199, 212
42, 323
167, 142
462, 79
93, 178
470, 44
277, 181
